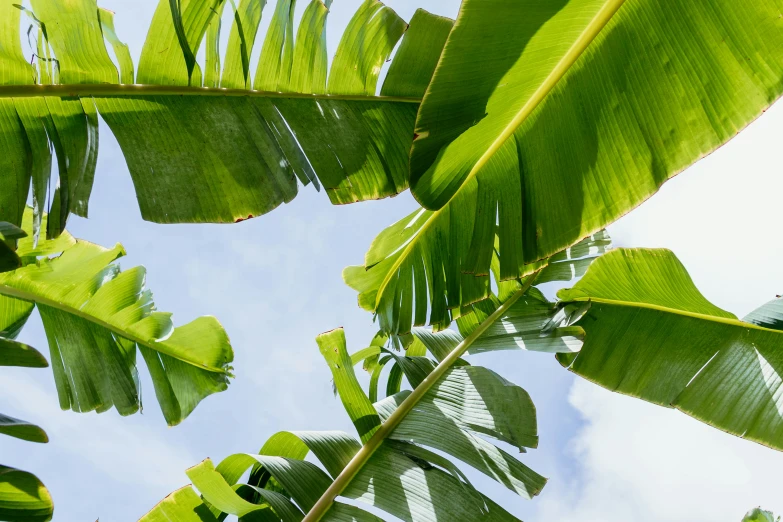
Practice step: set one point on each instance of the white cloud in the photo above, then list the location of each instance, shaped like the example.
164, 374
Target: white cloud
642, 462
128, 453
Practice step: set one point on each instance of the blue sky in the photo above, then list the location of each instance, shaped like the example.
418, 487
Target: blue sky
275, 283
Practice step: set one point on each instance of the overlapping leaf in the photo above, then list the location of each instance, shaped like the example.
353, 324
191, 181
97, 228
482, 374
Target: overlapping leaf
412, 275
242, 150
398, 467
649, 333
553, 119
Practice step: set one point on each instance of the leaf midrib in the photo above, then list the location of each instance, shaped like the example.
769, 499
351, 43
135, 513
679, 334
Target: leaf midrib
581, 44
118, 90
365, 453
40, 300
674, 311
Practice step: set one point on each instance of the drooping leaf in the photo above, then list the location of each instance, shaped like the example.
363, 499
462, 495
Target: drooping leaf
22, 429
556, 118
95, 316
243, 150
650, 333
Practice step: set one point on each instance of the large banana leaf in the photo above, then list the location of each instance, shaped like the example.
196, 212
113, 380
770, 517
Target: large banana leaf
198, 153
649, 333
401, 461
554, 118
95, 316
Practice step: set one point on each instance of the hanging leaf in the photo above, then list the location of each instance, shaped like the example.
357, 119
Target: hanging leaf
95, 317
650, 333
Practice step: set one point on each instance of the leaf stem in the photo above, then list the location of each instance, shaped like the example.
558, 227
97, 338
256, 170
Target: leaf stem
363, 455
117, 90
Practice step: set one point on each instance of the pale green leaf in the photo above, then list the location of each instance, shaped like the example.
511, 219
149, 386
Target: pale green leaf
183, 505
356, 403
95, 316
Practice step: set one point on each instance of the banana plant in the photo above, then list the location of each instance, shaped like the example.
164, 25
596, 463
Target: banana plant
396, 464
96, 316
547, 121
391, 464
22, 495
242, 141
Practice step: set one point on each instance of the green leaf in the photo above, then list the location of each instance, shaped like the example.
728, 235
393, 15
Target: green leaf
415, 61
411, 274
95, 316
759, 515
367, 43
310, 53
356, 403
23, 497
650, 333
441, 432
121, 51
246, 151
236, 73
22, 429
8, 258
13, 353
183, 505
559, 117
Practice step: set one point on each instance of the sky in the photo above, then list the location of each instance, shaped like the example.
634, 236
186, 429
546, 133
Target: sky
275, 283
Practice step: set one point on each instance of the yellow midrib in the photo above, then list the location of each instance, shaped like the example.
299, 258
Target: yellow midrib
674, 311
16, 293
120, 90
579, 46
